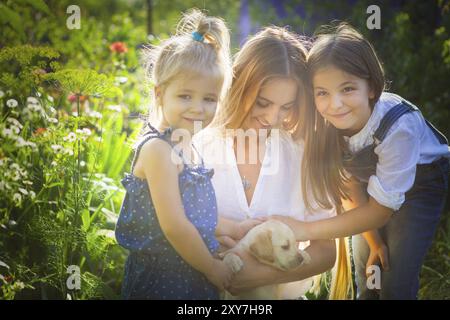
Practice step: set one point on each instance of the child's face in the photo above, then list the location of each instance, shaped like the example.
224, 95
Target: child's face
342, 98
188, 99
274, 103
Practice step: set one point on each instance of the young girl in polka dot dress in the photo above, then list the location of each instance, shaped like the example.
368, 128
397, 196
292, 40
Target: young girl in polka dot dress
168, 219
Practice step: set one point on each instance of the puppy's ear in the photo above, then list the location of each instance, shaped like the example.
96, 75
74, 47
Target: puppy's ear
262, 247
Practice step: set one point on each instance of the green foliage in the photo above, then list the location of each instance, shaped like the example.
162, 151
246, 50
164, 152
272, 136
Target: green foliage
84, 82
68, 109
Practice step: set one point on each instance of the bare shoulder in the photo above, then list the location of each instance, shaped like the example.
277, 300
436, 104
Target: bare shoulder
155, 150
155, 154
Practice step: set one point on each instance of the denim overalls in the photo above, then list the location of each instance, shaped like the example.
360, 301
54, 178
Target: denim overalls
154, 270
409, 233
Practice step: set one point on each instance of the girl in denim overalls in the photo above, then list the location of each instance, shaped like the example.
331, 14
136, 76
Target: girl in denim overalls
360, 136
168, 219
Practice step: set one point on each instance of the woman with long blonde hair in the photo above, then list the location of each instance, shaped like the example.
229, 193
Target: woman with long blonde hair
262, 177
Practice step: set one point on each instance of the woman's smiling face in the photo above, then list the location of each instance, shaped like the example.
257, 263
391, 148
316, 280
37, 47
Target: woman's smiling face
342, 98
275, 102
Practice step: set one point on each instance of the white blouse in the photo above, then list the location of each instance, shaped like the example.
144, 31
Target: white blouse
277, 191
407, 143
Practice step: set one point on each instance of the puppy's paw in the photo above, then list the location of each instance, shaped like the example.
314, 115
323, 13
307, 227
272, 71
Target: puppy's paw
306, 257
233, 261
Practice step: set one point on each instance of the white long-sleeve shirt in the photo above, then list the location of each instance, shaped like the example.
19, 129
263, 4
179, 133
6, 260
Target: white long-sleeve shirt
408, 142
277, 191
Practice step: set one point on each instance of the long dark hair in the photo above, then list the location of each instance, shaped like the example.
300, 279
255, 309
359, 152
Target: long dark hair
344, 48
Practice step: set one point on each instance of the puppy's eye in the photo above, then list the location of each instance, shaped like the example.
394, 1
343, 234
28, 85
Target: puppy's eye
286, 246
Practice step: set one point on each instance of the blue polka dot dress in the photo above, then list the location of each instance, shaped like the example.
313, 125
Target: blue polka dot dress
154, 270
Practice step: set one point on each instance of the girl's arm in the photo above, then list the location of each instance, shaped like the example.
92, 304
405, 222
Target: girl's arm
358, 197
254, 274
162, 177
371, 215
378, 249
229, 232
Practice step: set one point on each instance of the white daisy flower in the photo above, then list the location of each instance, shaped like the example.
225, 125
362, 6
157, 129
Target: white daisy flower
95, 114
17, 197
87, 131
15, 129
32, 145
121, 80
115, 108
20, 142
12, 103
14, 122
8, 133
56, 148
71, 137
32, 100
68, 151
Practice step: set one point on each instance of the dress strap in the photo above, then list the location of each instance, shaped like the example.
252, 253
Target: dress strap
198, 154
151, 134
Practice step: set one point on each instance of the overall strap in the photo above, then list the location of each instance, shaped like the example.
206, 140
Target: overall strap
396, 112
390, 117
442, 139
439, 135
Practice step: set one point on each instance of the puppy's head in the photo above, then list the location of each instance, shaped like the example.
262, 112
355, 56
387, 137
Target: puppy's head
273, 243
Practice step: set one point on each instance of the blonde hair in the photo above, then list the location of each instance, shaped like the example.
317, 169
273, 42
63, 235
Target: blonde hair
277, 52
182, 54
272, 52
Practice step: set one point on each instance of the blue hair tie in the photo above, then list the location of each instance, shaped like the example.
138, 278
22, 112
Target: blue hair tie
197, 36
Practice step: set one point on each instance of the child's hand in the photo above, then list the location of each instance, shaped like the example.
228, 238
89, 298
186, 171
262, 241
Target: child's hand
244, 226
298, 227
378, 254
220, 275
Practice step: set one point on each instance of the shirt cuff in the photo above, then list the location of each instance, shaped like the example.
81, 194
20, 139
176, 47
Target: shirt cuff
390, 199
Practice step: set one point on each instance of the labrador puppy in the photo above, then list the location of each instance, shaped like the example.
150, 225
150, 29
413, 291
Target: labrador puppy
272, 243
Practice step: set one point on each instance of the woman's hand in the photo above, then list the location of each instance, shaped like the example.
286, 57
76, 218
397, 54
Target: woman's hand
253, 274
245, 226
226, 243
378, 254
